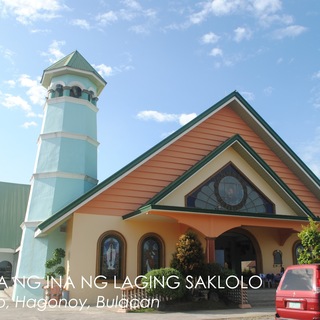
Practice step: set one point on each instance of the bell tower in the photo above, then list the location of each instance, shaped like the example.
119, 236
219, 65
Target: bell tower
66, 161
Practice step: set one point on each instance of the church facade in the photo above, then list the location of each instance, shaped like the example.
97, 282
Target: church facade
226, 175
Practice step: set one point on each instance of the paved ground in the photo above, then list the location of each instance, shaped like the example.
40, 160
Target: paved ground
262, 309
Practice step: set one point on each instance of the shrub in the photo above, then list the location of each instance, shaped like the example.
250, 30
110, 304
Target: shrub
310, 240
54, 263
189, 256
221, 273
165, 282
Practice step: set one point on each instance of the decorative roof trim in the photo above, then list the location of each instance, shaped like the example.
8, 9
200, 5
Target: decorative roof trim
64, 175
29, 224
82, 137
104, 185
83, 102
153, 207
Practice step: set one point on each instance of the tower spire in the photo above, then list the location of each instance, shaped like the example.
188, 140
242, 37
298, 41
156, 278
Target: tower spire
66, 162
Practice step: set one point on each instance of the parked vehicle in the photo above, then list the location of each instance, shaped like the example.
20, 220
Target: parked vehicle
298, 293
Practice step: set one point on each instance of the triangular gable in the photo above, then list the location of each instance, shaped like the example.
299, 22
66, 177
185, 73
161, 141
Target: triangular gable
229, 189
238, 104
243, 148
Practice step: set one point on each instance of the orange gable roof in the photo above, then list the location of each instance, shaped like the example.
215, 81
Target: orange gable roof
137, 183
151, 177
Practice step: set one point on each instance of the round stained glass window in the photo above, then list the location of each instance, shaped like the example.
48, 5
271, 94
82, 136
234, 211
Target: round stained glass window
231, 193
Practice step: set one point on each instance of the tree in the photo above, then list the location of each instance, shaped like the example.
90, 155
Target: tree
189, 256
54, 264
310, 241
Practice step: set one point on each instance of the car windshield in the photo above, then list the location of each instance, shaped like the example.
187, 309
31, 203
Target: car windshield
298, 279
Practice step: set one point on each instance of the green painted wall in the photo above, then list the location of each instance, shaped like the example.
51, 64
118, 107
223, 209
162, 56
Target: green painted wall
13, 205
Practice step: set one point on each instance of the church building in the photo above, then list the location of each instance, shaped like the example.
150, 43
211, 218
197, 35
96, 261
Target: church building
225, 175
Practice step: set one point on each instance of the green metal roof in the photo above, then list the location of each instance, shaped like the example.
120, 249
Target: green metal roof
287, 152
13, 205
73, 61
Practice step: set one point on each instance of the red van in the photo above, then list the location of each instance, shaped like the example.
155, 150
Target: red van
298, 293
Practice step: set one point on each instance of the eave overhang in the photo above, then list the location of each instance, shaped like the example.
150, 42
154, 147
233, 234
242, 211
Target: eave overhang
172, 211
212, 223
95, 78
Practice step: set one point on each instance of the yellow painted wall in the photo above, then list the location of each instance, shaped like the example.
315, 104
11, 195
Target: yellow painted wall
82, 251
268, 242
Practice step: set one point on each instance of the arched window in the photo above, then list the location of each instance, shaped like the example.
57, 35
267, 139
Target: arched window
111, 255
277, 258
90, 95
5, 270
75, 92
151, 253
229, 190
59, 91
296, 251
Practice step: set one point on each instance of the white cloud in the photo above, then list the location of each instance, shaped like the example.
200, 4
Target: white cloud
10, 83
263, 7
249, 96
156, 116
7, 53
27, 125
107, 17
27, 12
223, 7
215, 52
36, 92
280, 60
242, 33
83, 24
10, 101
290, 31
140, 29
165, 117
216, 8
103, 69
210, 38
268, 91
54, 52
135, 5
316, 75
185, 118
40, 31
265, 11
131, 11
25, 81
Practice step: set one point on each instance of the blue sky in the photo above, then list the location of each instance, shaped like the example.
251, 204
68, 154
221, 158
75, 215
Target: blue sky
165, 62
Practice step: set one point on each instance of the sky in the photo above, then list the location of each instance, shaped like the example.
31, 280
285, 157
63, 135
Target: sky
164, 62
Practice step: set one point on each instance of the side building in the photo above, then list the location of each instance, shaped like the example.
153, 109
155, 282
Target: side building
13, 204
